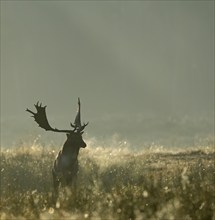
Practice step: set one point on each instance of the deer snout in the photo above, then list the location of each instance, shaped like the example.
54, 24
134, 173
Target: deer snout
83, 145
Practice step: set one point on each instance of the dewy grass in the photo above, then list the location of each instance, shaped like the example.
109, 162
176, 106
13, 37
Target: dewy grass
112, 184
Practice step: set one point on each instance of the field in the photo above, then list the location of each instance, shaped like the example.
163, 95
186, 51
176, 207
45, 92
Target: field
112, 184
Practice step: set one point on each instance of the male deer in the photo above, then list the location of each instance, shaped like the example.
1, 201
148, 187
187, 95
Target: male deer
65, 166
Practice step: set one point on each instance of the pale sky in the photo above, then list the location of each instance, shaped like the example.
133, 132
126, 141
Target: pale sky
128, 61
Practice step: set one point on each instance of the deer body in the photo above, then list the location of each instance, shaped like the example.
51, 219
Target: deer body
65, 166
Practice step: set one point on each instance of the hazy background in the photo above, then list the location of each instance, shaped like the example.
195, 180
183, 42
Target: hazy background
144, 70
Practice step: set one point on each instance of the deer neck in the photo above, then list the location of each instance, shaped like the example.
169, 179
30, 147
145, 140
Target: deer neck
70, 150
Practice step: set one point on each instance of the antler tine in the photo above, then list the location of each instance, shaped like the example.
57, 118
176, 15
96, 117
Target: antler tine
73, 126
83, 126
28, 110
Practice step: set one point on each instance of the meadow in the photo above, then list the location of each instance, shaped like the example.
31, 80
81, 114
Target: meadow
113, 183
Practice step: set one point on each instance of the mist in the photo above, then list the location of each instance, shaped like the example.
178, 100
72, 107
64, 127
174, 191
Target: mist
144, 70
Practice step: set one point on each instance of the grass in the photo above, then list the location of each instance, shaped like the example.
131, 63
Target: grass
112, 184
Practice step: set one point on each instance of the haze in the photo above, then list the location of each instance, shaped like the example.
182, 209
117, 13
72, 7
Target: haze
140, 68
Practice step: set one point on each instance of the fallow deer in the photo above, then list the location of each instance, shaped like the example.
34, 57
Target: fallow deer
65, 166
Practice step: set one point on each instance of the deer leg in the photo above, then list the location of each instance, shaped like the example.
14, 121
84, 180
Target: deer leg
56, 182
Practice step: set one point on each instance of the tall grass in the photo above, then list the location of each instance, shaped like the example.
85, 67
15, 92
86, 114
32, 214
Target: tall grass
112, 184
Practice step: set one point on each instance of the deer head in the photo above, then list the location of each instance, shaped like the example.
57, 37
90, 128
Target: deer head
74, 140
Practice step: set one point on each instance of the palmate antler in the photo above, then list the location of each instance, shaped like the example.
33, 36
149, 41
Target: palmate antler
77, 124
41, 119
